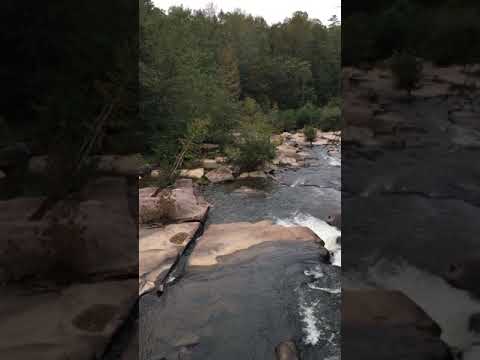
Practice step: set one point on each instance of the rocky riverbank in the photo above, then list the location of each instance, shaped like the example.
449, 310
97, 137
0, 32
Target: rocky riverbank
291, 152
410, 191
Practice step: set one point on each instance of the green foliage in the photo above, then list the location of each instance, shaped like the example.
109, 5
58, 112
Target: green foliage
406, 70
326, 118
253, 147
331, 118
310, 133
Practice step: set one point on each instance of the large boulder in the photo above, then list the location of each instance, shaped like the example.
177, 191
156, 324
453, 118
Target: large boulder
219, 175
180, 204
210, 164
195, 174
93, 236
392, 323
158, 250
224, 239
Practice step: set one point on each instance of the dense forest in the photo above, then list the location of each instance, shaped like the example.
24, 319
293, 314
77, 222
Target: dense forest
207, 75
374, 29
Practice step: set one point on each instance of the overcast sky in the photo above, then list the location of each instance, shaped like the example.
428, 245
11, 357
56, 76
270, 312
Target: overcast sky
271, 11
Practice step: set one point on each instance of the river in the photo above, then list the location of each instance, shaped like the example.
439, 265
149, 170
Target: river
254, 299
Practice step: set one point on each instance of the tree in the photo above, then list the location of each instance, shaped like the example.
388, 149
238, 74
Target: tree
229, 72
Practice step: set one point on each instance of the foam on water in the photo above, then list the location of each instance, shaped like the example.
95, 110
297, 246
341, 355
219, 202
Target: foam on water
312, 332
327, 290
451, 308
316, 272
326, 232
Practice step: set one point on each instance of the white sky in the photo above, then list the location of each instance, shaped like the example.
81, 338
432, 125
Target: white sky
271, 11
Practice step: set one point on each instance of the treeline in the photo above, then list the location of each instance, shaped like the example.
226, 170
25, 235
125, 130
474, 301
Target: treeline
445, 32
204, 65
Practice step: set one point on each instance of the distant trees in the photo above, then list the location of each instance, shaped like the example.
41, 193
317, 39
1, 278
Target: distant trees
233, 69
388, 26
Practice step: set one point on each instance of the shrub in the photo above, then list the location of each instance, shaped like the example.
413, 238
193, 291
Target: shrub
253, 148
310, 134
406, 70
307, 114
331, 117
286, 120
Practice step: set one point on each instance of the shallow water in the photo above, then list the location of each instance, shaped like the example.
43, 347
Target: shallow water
254, 299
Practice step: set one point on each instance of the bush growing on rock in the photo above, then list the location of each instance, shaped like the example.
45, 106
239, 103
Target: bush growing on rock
253, 147
310, 134
406, 70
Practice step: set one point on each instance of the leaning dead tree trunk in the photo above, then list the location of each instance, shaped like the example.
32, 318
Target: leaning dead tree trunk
82, 157
177, 164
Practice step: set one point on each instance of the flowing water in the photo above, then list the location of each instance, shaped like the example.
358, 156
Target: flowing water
256, 298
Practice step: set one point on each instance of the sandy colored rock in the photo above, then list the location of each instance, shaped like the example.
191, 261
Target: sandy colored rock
210, 164
286, 150
192, 173
155, 173
158, 250
224, 239
221, 174
74, 323
253, 175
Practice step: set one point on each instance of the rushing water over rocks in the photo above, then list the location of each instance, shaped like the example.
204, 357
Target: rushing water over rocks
252, 300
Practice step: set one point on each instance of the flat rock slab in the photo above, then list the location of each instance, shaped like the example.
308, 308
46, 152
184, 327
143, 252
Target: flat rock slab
398, 327
224, 239
74, 323
159, 248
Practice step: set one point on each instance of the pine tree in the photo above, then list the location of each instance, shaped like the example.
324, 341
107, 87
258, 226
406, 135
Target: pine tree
229, 72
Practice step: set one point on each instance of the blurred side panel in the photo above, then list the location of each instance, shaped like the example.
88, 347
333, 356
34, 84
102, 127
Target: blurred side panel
410, 180
69, 139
